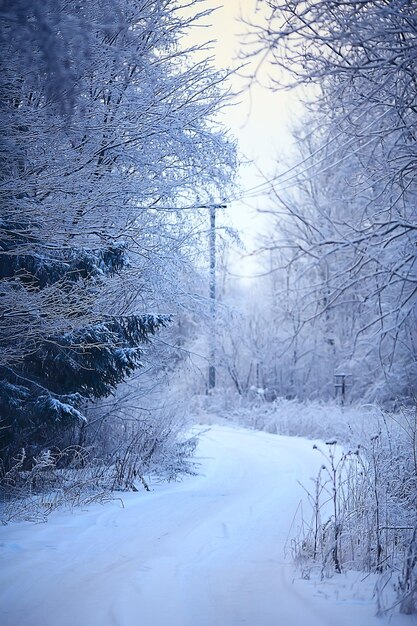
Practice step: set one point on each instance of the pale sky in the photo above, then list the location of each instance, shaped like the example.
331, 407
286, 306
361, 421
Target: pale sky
260, 118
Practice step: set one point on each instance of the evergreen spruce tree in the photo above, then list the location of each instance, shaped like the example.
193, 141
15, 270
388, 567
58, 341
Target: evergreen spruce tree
44, 392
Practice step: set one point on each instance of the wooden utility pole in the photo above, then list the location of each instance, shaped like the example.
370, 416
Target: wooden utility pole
212, 289
212, 294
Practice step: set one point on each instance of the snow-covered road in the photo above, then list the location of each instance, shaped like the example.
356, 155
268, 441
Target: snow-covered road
208, 551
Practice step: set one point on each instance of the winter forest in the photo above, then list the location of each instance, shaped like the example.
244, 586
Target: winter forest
208, 312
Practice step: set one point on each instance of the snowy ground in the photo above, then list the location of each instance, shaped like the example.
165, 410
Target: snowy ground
208, 551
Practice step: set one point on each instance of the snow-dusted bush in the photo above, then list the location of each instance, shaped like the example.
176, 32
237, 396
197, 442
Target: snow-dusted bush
364, 508
147, 442
56, 479
315, 420
118, 453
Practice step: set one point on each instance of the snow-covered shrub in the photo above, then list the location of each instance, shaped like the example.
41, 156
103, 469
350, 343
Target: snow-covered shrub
119, 452
141, 431
364, 508
152, 445
314, 420
56, 479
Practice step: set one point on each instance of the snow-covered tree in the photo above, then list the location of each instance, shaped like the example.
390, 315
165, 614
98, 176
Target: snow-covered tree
352, 204
109, 148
